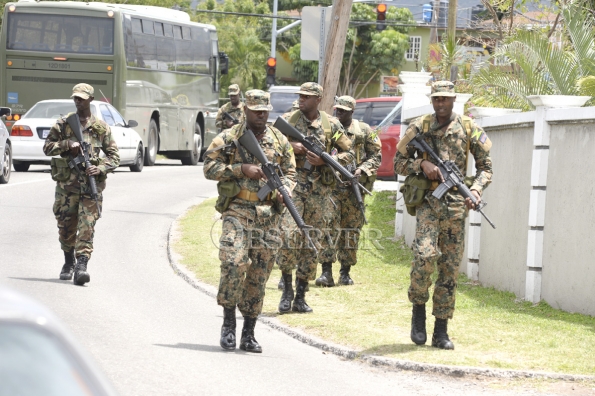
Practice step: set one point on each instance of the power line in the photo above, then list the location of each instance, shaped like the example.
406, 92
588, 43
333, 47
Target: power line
248, 14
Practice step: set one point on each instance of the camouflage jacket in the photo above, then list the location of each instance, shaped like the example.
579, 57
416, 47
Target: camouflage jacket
226, 164
95, 132
451, 144
236, 112
366, 147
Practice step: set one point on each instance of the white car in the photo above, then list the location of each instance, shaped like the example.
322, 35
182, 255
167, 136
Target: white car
29, 133
5, 149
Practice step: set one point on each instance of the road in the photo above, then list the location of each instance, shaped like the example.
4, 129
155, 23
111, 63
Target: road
152, 333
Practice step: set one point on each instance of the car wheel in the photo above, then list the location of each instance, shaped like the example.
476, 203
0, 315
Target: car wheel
151, 152
194, 155
21, 166
140, 159
6, 165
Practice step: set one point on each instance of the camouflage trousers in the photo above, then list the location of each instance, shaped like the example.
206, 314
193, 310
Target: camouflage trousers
313, 204
247, 250
76, 214
440, 239
343, 239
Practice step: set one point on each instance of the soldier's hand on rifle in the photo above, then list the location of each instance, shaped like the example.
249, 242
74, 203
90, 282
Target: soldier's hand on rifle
357, 173
92, 171
469, 203
228, 123
431, 171
74, 148
253, 171
280, 197
314, 159
298, 148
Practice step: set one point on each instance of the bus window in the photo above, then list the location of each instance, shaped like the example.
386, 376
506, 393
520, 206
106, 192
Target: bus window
166, 55
60, 33
142, 53
148, 27
184, 56
178, 32
168, 30
137, 26
185, 32
158, 29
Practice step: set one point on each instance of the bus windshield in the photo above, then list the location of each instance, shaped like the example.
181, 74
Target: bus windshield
60, 33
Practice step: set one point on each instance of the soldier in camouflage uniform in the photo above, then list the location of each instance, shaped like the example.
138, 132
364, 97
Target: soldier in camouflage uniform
235, 108
312, 194
74, 208
349, 220
440, 230
250, 237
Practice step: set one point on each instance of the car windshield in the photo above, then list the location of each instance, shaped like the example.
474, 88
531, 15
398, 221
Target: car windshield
380, 110
360, 112
33, 362
53, 110
282, 101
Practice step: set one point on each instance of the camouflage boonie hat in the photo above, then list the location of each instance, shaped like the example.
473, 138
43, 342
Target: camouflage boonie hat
83, 91
443, 88
295, 104
234, 89
311, 89
257, 100
345, 103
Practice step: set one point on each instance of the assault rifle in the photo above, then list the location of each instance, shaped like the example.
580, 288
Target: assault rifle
249, 142
313, 144
230, 118
75, 124
451, 174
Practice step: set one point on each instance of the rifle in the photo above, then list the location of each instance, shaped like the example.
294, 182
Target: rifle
75, 124
230, 118
313, 144
249, 142
451, 174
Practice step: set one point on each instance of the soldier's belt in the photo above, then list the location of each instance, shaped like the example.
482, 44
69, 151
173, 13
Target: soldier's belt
248, 195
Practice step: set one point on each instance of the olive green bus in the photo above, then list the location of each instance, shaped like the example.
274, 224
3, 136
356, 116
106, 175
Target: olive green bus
153, 64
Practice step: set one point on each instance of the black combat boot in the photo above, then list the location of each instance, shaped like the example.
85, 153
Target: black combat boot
299, 304
345, 279
418, 324
326, 278
68, 267
440, 338
81, 276
248, 343
281, 284
287, 296
228, 330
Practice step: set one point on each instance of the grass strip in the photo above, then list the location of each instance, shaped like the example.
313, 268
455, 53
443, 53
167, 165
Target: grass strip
490, 329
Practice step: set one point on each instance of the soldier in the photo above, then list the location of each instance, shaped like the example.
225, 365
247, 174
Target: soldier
312, 194
249, 240
235, 108
440, 230
349, 220
74, 208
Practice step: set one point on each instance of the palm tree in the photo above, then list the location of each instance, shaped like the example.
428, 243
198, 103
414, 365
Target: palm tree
247, 58
539, 67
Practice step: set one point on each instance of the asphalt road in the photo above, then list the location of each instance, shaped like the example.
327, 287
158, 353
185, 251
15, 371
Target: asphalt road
152, 333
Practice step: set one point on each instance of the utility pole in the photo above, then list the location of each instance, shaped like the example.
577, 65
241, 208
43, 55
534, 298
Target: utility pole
452, 20
335, 48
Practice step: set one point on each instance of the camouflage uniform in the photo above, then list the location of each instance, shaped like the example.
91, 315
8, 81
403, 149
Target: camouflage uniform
236, 112
74, 208
349, 220
440, 229
311, 196
250, 236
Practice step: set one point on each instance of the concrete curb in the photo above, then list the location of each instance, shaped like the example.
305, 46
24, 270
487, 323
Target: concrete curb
346, 353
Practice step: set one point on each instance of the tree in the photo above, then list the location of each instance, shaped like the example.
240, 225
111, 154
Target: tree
539, 67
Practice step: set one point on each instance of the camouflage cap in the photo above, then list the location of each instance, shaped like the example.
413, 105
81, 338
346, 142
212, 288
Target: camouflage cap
82, 90
257, 100
310, 88
443, 88
234, 89
345, 103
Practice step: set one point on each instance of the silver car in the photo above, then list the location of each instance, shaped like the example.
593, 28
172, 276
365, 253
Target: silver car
29, 133
5, 149
39, 356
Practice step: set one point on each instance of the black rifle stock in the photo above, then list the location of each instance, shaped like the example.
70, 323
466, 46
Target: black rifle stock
249, 142
313, 144
230, 118
451, 174
75, 124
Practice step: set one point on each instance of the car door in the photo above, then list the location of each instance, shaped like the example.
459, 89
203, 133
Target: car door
118, 132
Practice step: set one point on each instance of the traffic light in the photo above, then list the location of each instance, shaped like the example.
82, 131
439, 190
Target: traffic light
271, 69
381, 17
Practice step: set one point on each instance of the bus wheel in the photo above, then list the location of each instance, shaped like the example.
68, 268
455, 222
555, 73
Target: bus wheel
194, 154
151, 151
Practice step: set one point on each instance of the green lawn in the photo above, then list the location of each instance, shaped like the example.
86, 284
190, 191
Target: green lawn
490, 328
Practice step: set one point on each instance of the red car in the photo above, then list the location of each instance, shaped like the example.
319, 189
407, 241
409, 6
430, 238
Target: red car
372, 111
